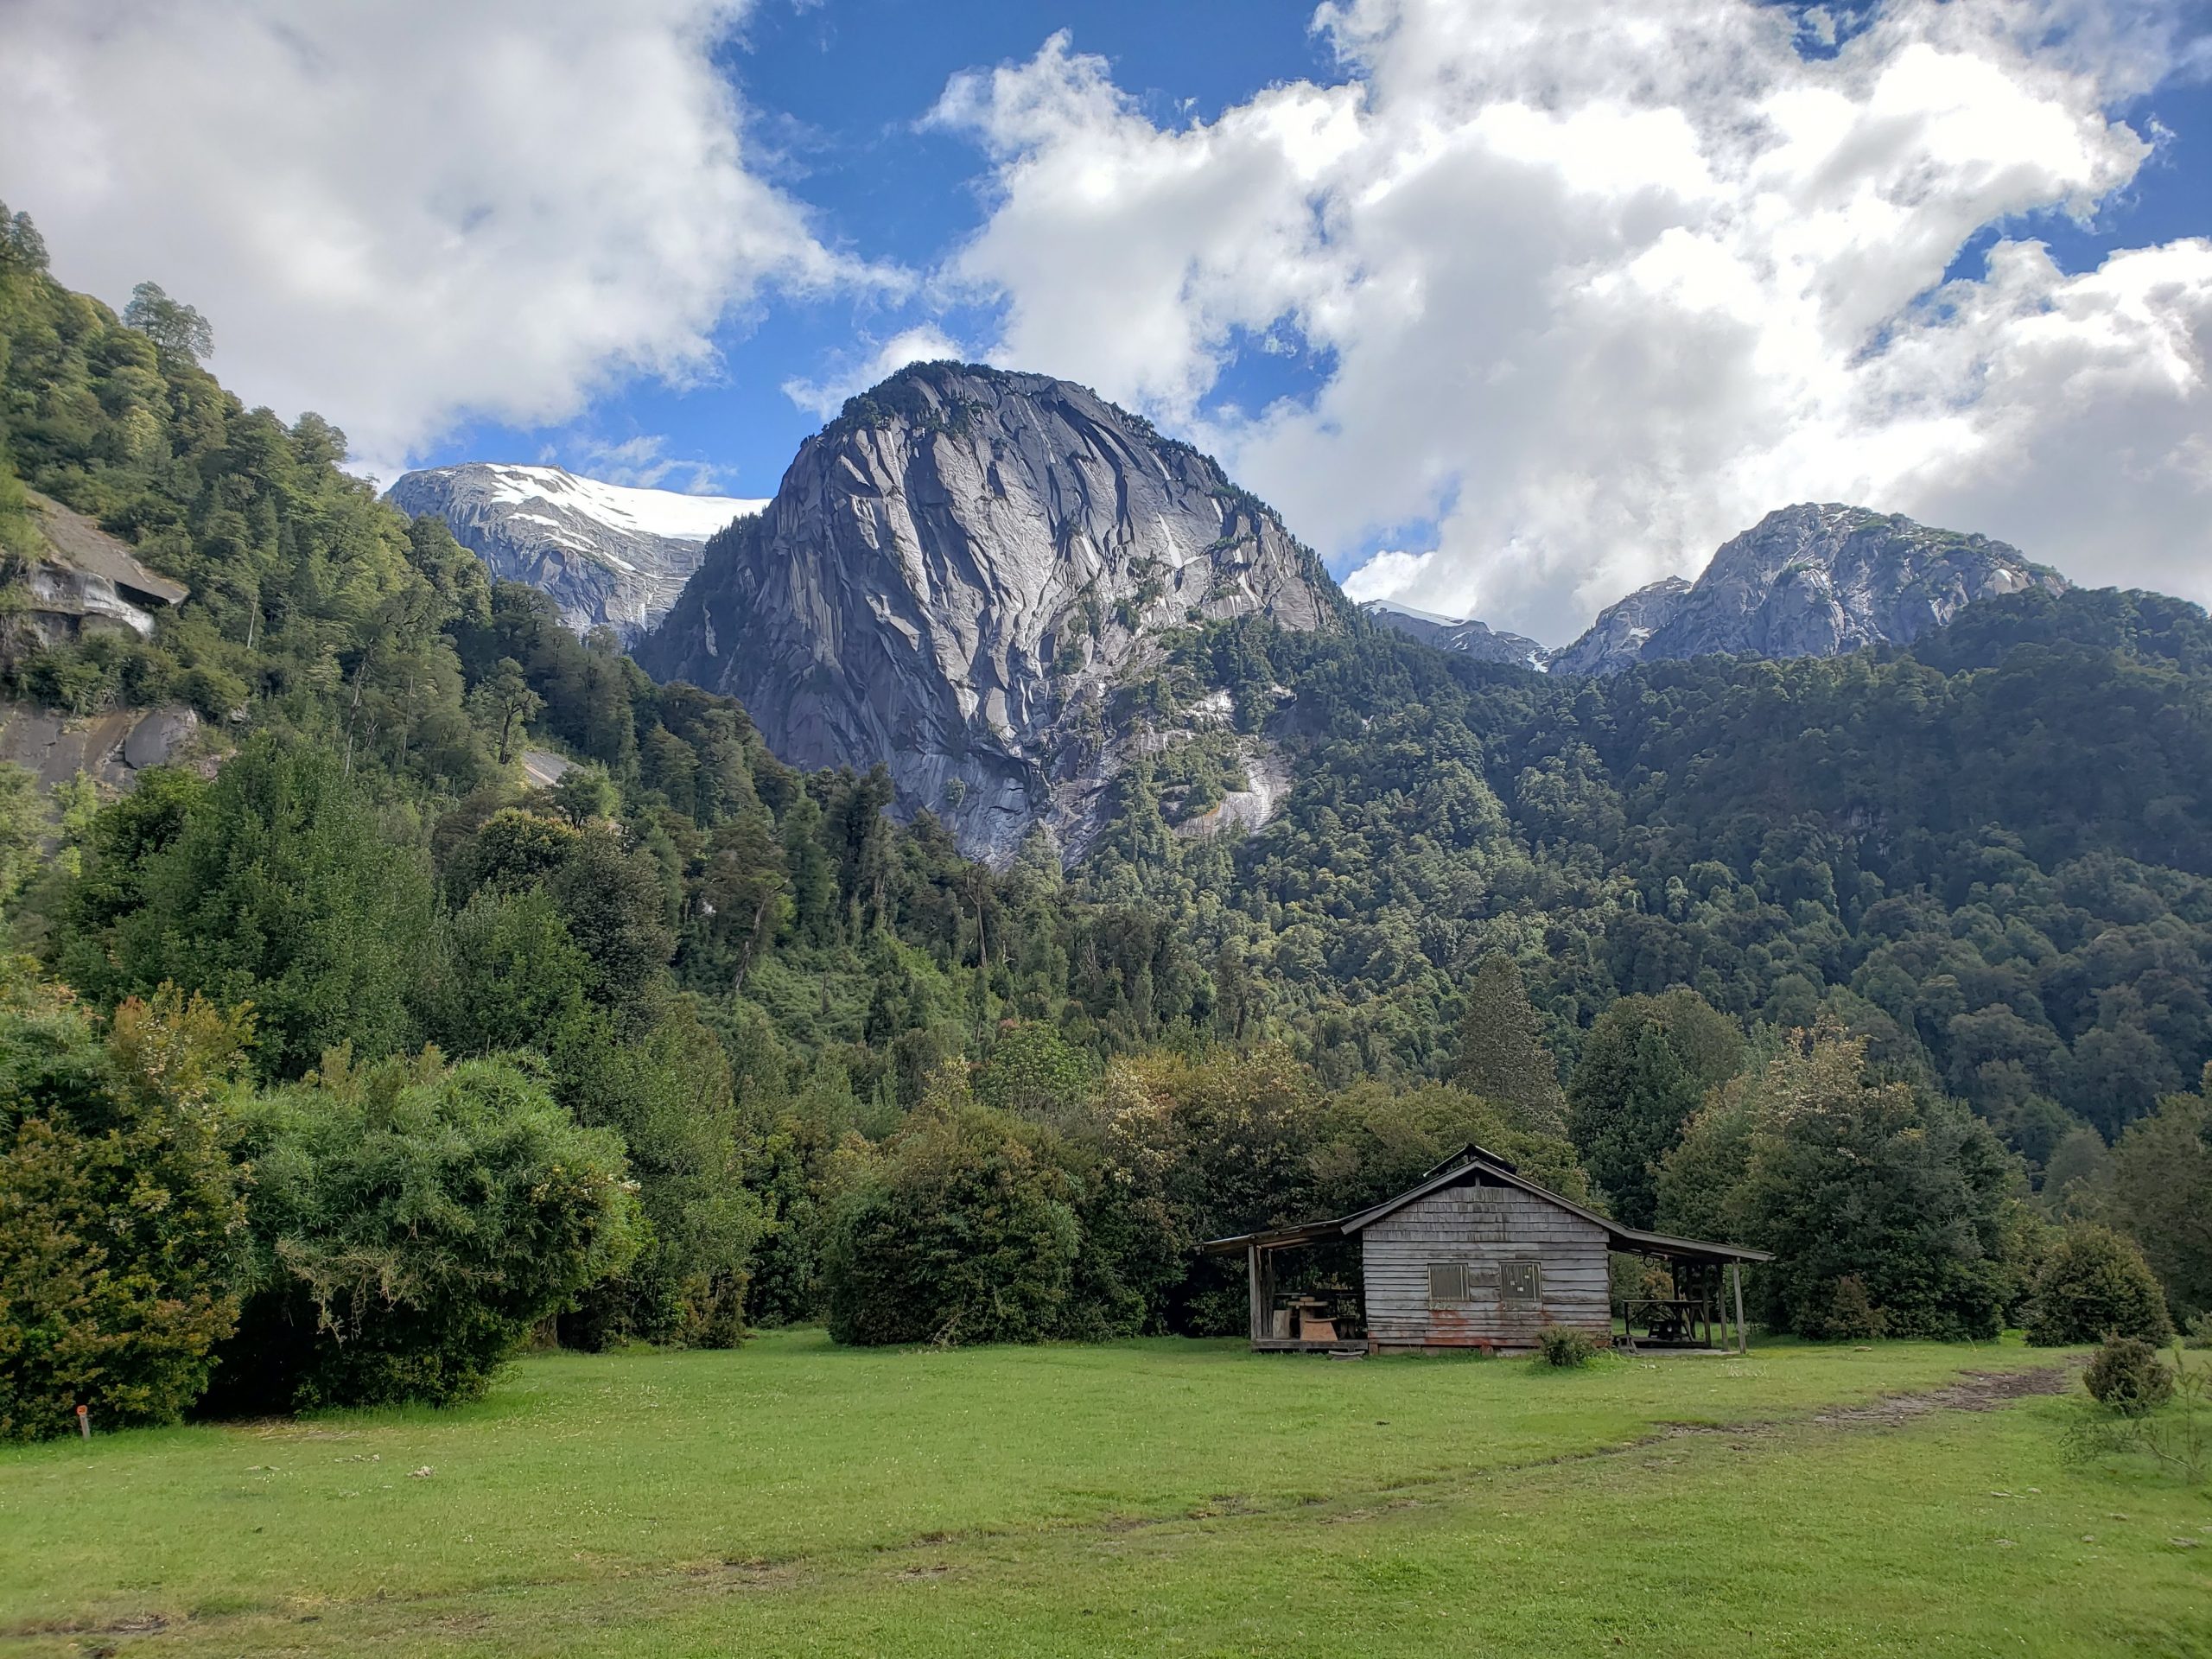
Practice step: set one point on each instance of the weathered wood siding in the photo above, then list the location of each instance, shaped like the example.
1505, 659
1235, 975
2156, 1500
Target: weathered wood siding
1487, 1227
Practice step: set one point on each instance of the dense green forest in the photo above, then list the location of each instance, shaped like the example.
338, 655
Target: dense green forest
431, 1056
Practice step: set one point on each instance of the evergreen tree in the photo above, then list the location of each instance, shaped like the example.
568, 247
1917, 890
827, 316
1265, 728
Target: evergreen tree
1500, 1054
1644, 1071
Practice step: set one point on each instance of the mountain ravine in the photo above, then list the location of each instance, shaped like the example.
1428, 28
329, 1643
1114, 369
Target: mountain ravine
953, 579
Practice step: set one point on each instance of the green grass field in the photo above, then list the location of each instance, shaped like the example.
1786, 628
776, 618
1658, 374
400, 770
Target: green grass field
1142, 1498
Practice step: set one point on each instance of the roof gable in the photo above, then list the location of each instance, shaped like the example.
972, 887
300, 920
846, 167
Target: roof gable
1474, 1165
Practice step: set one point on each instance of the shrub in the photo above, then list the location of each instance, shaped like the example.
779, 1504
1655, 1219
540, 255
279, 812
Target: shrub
1565, 1347
2128, 1376
1851, 1315
409, 1225
119, 1204
2199, 1331
2093, 1283
962, 1230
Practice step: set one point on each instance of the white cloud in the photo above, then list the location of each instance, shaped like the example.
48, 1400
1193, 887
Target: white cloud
407, 213
925, 343
1600, 281
640, 462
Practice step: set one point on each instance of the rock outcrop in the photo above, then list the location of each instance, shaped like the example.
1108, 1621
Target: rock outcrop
609, 554
1618, 637
1467, 637
83, 581
954, 580
1809, 581
111, 748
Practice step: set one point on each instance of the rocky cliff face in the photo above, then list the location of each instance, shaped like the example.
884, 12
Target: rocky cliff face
1471, 638
1623, 629
607, 554
1809, 581
955, 579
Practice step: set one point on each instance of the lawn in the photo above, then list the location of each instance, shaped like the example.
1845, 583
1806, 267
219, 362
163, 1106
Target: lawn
1138, 1497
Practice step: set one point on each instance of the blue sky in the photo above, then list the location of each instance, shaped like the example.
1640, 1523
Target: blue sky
1509, 307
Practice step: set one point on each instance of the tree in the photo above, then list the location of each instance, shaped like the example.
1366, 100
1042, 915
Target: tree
1644, 1070
503, 974
1501, 1052
1033, 1073
119, 1202
585, 794
506, 704
278, 888
24, 823
2158, 1186
747, 885
22, 248
668, 1093
1232, 993
962, 1230
616, 911
1376, 1139
409, 1225
2095, 1284
173, 326
1849, 1178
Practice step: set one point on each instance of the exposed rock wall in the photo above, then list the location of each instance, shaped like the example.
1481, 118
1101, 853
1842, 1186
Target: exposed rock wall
1809, 581
954, 577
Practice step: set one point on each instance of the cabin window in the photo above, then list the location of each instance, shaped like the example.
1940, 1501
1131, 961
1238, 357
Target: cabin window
1448, 1282
1520, 1281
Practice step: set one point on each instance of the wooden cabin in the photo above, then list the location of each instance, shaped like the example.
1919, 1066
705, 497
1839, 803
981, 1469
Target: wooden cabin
1476, 1255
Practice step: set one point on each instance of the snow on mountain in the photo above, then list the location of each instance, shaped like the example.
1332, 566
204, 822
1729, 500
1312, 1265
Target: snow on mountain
607, 554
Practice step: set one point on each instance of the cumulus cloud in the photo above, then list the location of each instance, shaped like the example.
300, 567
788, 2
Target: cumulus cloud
1598, 282
924, 343
407, 214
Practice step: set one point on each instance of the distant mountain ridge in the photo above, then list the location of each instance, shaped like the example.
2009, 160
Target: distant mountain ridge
956, 578
1813, 580
1462, 635
607, 554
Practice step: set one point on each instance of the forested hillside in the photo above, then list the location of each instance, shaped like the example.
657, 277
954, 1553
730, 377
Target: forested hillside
1987, 853
689, 1039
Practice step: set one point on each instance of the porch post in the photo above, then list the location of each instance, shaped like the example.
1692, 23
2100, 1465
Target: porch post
1736, 1273
1259, 1309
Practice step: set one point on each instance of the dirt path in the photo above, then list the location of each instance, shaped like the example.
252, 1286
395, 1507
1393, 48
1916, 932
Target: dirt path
1973, 1391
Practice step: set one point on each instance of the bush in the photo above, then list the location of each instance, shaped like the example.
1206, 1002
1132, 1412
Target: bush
1852, 1314
409, 1225
2128, 1376
2093, 1284
1565, 1347
962, 1230
2199, 1331
119, 1204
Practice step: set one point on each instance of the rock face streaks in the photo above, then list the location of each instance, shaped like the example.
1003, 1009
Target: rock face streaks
1807, 581
953, 578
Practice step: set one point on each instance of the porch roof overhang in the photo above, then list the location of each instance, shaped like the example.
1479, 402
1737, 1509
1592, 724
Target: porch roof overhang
1456, 1171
